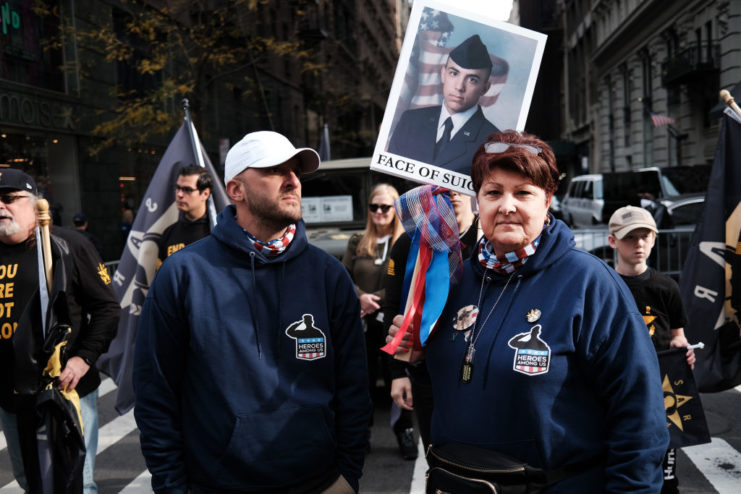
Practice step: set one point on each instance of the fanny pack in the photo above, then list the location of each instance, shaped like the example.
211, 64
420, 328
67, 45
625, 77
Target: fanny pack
465, 469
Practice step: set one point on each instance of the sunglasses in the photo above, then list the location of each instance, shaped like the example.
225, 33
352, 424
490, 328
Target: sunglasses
375, 207
500, 147
11, 198
185, 190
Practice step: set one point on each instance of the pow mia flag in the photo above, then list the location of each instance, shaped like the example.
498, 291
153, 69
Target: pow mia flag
138, 261
685, 416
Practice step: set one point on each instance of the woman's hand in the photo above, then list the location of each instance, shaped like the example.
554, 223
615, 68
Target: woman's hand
680, 342
369, 304
406, 342
401, 393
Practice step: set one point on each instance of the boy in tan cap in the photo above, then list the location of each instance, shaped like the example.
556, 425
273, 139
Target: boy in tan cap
633, 234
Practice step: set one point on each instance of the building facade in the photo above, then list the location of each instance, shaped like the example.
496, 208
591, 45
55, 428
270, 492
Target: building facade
626, 61
52, 95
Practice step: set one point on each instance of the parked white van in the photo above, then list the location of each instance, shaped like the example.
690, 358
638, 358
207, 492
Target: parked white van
584, 200
591, 199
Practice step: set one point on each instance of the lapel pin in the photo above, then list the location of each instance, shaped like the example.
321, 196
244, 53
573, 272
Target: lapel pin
533, 315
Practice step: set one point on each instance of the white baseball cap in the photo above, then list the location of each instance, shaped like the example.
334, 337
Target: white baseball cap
264, 149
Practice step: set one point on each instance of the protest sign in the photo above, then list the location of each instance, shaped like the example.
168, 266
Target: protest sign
454, 63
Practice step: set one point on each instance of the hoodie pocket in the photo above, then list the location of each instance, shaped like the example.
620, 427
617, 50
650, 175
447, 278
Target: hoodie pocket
264, 446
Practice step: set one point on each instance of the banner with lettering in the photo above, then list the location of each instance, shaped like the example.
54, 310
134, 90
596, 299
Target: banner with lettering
685, 416
138, 261
710, 282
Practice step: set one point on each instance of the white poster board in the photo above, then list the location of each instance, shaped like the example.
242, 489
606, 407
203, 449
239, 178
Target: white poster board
411, 126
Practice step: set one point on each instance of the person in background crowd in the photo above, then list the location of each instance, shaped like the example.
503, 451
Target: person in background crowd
366, 259
540, 353
92, 309
410, 385
81, 224
633, 234
192, 190
127, 218
249, 369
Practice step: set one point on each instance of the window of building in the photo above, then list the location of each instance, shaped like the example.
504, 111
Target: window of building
647, 79
26, 53
626, 105
672, 51
611, 122
709, 38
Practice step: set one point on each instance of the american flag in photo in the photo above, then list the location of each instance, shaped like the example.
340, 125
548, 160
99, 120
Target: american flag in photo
422, 85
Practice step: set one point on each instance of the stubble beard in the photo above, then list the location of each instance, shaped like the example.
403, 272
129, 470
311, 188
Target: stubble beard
272, 214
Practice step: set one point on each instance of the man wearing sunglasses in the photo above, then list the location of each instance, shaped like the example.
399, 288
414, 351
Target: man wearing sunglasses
192, 190
83, 299
448, 135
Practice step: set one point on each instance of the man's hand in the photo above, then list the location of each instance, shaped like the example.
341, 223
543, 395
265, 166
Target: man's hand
680, 341
72, 373
401, 393
369, 304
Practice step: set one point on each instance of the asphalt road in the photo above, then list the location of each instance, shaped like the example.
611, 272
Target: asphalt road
704, 469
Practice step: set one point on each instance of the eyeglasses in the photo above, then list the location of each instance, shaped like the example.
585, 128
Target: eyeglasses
500, 147
383, 207
185, 190
11, 198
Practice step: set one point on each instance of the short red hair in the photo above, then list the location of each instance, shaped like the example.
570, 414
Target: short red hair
541, 169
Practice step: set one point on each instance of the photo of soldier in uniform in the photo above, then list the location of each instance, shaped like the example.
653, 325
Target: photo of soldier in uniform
460, 78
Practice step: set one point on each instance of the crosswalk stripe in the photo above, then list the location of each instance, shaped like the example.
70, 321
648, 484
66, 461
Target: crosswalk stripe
108, 435
140, 485
719, 462
11, 488
106, 386
420, 468
115, 430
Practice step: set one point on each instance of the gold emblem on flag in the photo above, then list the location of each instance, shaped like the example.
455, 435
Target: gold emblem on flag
672, 403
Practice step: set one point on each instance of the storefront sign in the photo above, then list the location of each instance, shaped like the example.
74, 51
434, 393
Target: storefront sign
10, 18
19, 109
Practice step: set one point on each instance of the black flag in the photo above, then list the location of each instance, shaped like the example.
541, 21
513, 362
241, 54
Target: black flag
711, 278
685, 416
138, 261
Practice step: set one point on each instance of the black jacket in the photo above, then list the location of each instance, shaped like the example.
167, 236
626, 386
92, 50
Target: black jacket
82, 297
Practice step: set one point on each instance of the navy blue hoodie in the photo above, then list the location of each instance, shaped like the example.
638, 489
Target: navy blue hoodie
250, 372
564, 371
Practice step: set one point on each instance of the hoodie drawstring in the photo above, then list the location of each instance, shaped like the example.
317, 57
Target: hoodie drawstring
252, 307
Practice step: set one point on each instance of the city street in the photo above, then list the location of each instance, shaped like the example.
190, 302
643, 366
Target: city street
706, 469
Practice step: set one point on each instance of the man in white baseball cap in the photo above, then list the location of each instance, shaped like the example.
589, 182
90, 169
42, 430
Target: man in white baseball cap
250, 342
264, 149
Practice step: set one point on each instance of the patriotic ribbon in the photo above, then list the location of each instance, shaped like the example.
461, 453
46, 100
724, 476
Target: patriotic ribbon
428, 217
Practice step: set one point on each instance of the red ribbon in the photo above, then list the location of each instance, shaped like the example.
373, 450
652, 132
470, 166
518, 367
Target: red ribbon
413, 315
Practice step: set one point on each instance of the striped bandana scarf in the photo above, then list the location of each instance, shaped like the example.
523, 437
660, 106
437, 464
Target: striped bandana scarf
507, 263
274, 247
